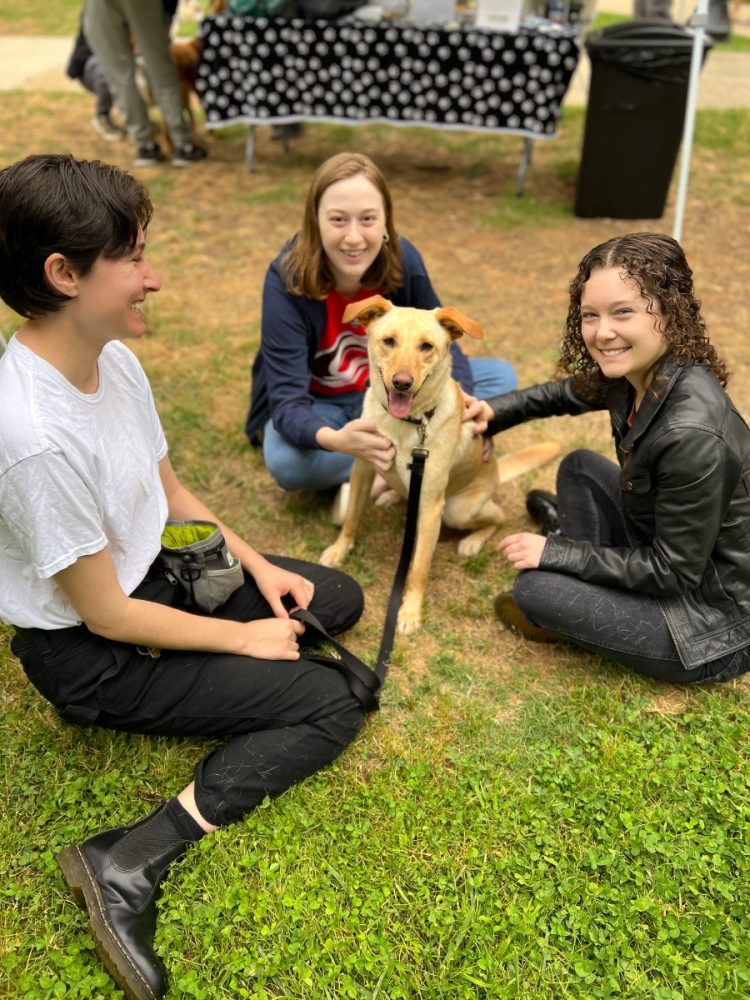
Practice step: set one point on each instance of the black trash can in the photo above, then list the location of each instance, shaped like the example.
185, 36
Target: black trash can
634, 119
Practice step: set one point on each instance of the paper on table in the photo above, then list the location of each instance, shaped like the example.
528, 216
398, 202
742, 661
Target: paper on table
432, 11
499, 15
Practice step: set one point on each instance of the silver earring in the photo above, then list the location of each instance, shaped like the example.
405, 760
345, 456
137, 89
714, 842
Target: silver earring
386, 238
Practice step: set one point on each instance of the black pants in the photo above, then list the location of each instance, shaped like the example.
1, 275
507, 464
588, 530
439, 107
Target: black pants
620, 625
286, 719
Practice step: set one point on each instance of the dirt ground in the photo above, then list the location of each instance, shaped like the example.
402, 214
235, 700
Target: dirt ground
217, 227
225, 224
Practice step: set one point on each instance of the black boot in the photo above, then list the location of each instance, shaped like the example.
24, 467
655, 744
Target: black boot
511, 616
116, 876
542, 508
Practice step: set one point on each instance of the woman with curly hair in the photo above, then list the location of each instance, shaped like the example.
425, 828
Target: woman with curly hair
646, 563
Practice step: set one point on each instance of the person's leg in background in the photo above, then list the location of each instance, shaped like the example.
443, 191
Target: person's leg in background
492, 377
312, 468
589, 499
149, 23
94, 80
108, 34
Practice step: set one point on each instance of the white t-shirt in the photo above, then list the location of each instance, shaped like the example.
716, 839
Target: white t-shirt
78, 473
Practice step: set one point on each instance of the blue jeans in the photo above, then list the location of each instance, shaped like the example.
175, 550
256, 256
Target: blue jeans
317, 469
619, 625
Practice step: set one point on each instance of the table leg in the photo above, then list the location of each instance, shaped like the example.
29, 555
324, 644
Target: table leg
524, 165
285, 133
250, 147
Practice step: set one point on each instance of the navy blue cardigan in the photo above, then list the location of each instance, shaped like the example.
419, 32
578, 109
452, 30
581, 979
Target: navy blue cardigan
291, 329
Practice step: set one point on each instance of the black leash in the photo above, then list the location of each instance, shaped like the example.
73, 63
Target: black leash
364, 683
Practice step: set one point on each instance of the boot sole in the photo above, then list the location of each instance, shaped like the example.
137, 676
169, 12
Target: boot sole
511, 616
80, 880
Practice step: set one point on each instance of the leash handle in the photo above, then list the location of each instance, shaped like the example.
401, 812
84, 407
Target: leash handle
363, 683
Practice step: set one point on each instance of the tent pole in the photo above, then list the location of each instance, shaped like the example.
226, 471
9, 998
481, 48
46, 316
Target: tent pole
698, 28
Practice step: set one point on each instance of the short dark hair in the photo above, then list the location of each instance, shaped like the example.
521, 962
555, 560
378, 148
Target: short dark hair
52, 203
305, 266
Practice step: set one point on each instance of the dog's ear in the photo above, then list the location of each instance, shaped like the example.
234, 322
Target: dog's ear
367, 310
457, 324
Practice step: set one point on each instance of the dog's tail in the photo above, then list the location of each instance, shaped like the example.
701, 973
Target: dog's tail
511, 466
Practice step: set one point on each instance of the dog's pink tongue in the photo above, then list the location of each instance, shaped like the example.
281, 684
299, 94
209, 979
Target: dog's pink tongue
399, 404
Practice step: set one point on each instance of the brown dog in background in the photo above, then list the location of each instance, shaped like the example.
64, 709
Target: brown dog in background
414, 400
186, 55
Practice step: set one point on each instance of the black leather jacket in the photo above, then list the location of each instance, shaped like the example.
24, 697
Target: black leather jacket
685, 478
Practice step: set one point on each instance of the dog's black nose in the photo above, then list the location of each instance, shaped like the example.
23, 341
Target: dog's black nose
402, 381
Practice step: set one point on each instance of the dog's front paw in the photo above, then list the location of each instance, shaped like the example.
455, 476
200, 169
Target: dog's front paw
409, 616
469, 546
388, 499
335, 554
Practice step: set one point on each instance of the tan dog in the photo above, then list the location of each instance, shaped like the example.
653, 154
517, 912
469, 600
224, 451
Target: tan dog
186, 54
414, 400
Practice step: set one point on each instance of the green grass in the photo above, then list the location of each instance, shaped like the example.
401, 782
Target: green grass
592, 848
38, 17
726, 132
735, 43
604, 20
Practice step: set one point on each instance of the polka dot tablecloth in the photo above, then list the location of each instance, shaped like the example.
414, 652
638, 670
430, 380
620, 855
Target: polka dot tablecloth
273, 71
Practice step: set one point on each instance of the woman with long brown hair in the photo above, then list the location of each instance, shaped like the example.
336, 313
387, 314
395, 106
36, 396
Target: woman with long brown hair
311, 371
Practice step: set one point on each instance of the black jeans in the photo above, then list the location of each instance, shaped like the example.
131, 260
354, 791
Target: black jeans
619, 625
285, 719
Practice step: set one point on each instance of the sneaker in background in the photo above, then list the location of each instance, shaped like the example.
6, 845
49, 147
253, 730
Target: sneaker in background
148, 153
106, 128
189, 153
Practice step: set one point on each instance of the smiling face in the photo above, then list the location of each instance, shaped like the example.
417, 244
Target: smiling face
620, 333
111, 296
352, 223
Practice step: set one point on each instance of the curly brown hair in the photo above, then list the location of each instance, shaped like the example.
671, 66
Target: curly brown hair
658, 266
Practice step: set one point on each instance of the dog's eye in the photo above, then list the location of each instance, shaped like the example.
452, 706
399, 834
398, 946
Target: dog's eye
425, 347
389, 341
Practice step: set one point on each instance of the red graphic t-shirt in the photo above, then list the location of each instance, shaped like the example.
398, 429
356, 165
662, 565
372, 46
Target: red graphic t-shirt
340, 363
